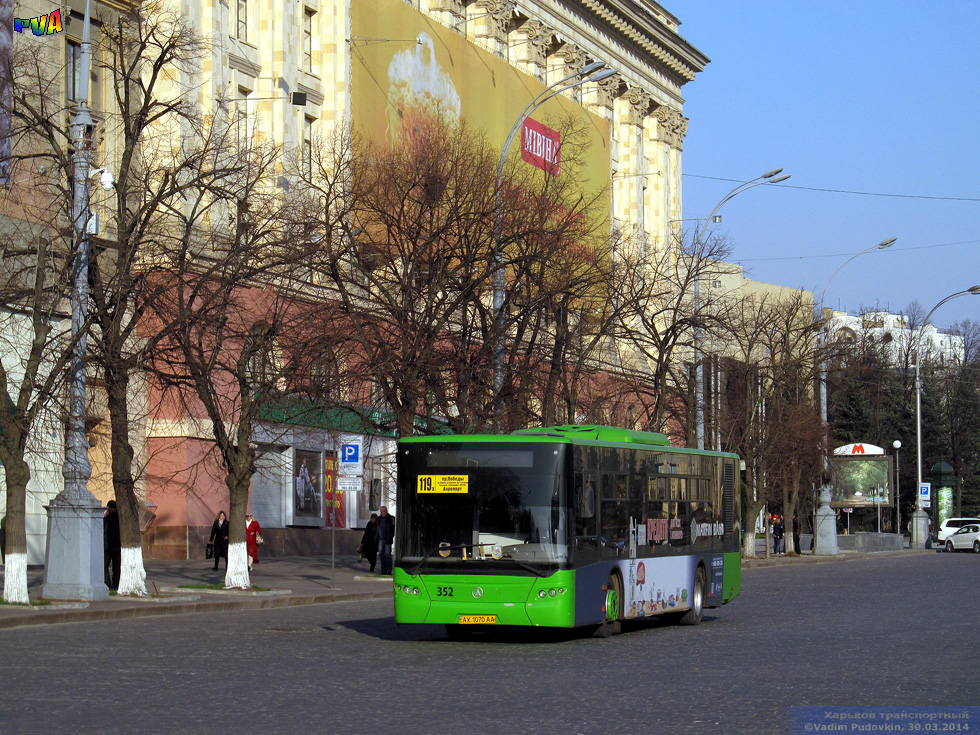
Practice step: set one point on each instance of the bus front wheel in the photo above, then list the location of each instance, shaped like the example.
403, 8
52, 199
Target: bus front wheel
693, 616
610, 624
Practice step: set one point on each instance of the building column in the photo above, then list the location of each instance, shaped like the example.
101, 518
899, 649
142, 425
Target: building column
488, 24
529, 45
632, 171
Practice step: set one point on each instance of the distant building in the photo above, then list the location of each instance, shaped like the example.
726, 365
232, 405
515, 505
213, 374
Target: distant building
900, 342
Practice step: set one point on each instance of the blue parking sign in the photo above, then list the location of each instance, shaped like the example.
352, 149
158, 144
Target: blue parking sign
925, 492
350, 452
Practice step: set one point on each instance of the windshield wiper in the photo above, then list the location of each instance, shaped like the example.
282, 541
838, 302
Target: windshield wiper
434, 549
525, 565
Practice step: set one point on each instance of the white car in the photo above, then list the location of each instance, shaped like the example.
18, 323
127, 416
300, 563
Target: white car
952, 525
964, 538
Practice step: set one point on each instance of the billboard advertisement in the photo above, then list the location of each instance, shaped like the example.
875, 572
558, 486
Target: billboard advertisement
861, 481
406, 67
307, 488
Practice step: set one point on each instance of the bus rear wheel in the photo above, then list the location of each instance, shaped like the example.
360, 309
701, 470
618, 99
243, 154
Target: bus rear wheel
694, 615
610, 625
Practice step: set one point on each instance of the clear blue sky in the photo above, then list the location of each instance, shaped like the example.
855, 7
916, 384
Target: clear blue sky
880, 97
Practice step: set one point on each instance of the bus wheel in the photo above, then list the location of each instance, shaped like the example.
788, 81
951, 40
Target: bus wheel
610, 626
693, 616
459, 632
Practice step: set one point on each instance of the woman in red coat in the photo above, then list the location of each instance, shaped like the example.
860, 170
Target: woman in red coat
252, 531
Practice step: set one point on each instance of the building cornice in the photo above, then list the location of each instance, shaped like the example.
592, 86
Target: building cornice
636, 21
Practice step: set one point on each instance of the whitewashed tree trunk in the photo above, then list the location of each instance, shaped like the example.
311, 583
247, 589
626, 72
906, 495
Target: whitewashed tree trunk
236, 576
15, 579
132, 575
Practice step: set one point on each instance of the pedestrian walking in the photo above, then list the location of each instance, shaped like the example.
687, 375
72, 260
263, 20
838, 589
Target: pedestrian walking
112, 545
796, 534
253, 539
386, 536
219, 539
369, 541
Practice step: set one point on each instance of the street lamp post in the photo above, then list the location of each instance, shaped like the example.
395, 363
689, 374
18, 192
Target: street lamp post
898, 498
772, 176
920, 518
594, 72
73, 568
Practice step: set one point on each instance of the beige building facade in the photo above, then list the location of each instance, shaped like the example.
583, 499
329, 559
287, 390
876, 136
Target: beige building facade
288, 72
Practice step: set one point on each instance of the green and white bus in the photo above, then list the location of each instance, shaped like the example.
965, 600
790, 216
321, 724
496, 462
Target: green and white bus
565, 526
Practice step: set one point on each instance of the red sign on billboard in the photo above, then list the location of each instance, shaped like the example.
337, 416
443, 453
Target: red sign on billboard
541, 146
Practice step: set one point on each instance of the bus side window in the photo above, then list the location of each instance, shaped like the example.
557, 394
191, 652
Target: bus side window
586, 544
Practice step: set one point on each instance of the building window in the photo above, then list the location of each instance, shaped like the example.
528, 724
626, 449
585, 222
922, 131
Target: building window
308, 40
241, 21
308, 146
243, 123
73, 69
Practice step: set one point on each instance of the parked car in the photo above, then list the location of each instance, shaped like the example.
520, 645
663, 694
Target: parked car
952, 525
965, 538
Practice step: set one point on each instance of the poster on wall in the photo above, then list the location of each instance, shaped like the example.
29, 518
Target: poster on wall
308, 479
336, 498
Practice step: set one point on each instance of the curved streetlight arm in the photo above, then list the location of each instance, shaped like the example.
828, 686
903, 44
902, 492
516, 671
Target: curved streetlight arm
769, 177
880, 246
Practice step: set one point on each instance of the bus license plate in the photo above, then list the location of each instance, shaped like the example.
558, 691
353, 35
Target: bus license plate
477, 619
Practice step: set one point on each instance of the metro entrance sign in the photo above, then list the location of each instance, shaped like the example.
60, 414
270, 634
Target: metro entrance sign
925, 494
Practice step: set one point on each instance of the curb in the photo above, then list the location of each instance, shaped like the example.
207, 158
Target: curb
57, 617
755, 563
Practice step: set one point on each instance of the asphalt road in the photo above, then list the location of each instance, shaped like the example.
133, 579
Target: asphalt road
899, 631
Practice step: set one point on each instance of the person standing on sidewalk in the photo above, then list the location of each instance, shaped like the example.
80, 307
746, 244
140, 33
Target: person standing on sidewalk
112, 545
777, 535
253, 538
369, 541
386, 536
796, 534
219, 539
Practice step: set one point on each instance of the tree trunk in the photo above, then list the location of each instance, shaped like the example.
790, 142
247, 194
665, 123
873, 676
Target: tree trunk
132, 577
238, 462
15, 566
787, 510
752, 510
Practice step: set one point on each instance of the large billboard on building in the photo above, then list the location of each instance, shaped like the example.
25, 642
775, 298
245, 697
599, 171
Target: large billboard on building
405, 66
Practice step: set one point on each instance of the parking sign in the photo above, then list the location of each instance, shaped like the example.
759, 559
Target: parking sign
925, 495
351, 461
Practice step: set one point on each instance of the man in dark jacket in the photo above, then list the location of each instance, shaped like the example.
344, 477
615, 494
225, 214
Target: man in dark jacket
113, 545
386, 536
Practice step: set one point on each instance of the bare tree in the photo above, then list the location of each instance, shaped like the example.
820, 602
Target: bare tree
770, 417
38, 250
666, 306
232, 324
404, 243
160, 147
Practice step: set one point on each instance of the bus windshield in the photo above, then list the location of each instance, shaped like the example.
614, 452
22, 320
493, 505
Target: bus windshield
486, 506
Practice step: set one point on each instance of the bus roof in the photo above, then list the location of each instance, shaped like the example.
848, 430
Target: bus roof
573, 434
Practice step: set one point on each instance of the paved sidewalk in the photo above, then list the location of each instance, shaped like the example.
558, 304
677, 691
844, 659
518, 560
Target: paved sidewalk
285, 581
288, 580
808, 557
